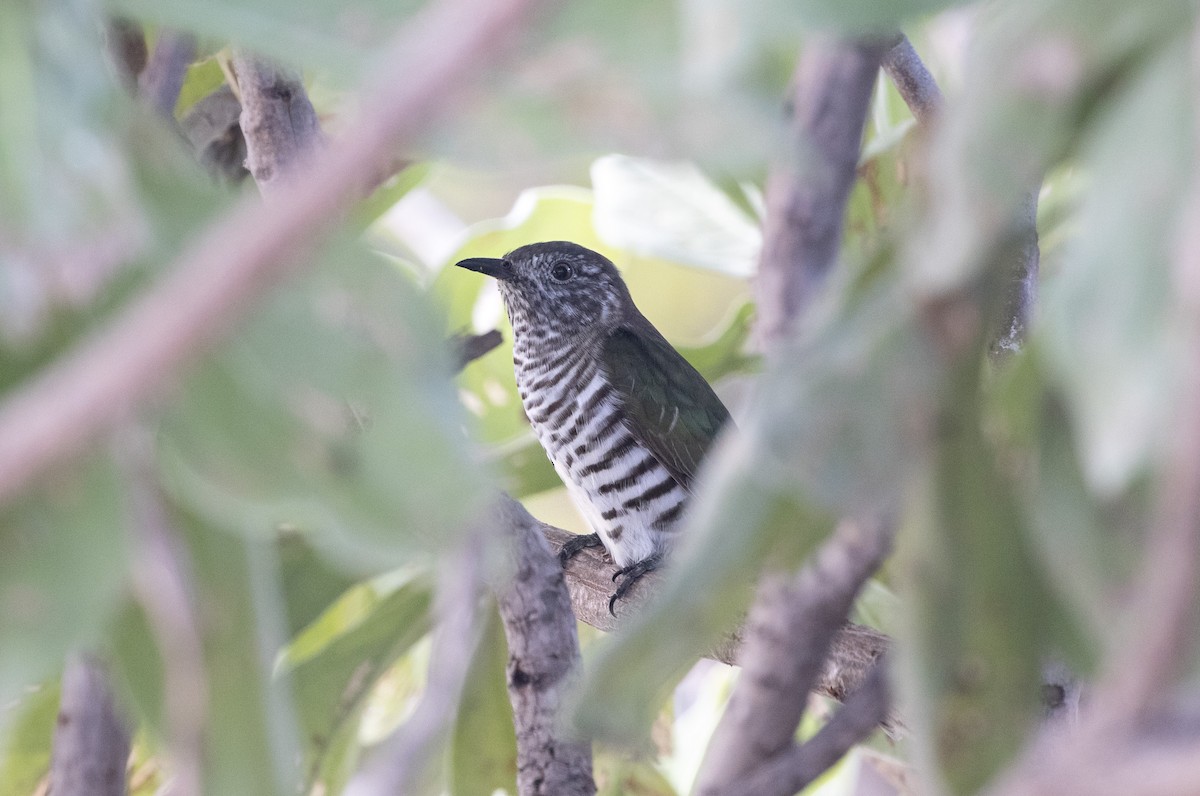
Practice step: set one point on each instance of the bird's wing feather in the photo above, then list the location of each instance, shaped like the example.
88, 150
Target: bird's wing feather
669, 407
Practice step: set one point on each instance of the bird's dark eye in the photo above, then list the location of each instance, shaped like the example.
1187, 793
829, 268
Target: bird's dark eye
562, 272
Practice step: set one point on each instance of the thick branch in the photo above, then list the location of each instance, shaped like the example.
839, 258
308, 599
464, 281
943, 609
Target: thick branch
91, 742
795, 768
807, 190
543, 659
162, 80
230, 265
396, 767
278, 121
852, 653
790, 629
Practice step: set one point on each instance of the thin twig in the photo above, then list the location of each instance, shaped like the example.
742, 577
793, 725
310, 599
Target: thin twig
914, 82
399, 763
163, 77
543, 660
218, 277
470, 347
795, 768
789, 632
91, 741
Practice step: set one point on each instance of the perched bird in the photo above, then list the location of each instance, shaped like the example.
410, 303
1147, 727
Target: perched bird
622, 415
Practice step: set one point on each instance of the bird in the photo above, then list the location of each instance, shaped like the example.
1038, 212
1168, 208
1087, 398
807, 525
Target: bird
624, 418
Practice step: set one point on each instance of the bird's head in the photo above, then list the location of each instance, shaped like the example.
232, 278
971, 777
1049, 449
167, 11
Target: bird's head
558, 284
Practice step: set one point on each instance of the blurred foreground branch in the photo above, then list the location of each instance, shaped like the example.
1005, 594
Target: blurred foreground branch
91, 741
543, 659
240, 256
791, 626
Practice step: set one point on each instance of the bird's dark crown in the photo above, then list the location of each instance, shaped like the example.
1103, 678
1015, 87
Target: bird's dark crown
561, 284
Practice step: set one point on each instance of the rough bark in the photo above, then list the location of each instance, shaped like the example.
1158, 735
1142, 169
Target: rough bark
543, 659
852, 652
91, 741
278, 121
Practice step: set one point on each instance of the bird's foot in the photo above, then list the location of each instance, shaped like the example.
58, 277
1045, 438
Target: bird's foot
631, 574
577, 543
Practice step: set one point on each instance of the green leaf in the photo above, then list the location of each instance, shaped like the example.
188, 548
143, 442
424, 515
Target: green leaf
483, 743
979, 612
250, 746
63, 563
331, 411
25, 747
672, 211
863, 15
1111, 332
337, 661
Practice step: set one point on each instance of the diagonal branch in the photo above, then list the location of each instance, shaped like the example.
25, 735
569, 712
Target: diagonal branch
790, 629
796, 767
226, 268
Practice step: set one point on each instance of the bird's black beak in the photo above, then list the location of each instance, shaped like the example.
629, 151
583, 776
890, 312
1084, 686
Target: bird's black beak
499, 269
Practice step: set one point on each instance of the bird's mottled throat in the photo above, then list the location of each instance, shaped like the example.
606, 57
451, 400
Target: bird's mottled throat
623, 417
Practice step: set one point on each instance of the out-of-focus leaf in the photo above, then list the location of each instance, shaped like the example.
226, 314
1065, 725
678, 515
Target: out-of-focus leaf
337, 662
69, 217
391, 191
250, 746
1111, 319
483, 743
332, 412
25, 746
979, 613
691, 79
202, 79
618, 775
63, 560
862, 15
674, 212
337, 36
310, 583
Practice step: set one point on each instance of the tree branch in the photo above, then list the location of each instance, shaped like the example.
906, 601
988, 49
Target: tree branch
91, 741
543, 659
224, 270
852, 653
807, 190
278, 121
800, 764
163, 77
914, 82
790, 628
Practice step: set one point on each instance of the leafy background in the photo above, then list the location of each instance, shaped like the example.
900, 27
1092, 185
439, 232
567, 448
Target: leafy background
322, 457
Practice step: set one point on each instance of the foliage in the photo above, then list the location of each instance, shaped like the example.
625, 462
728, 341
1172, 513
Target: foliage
316, 461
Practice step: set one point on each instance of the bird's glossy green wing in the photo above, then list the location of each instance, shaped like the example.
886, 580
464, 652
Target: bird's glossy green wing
669, 407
